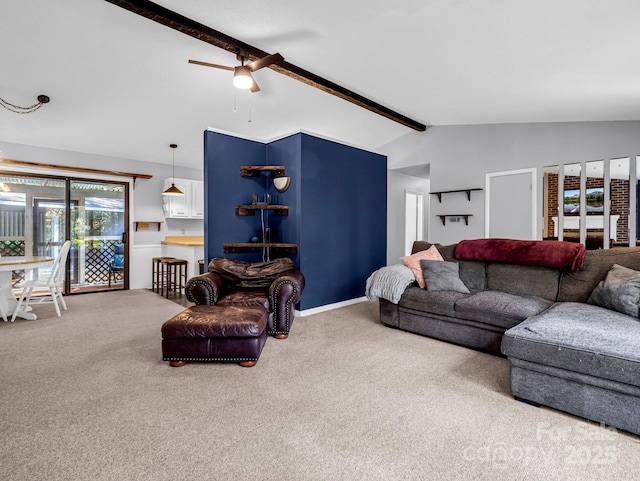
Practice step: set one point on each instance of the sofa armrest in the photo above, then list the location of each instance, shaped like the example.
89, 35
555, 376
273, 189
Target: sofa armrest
204, 289
284, 293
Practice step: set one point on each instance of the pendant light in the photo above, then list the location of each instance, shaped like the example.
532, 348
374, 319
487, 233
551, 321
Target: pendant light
173, 190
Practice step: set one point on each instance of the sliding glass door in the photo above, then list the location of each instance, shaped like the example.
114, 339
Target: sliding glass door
98, 234
38, 213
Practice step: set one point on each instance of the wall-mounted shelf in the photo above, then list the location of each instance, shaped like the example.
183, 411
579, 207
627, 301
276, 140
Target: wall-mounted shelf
443, 217
255, 170
251, 209
237, 247
279, 249
138, 222
468, 191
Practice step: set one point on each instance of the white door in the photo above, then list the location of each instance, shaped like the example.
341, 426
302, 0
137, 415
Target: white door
510, 204
413, 220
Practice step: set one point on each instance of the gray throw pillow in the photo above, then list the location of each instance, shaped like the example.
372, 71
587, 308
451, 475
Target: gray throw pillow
442, 276
619, 291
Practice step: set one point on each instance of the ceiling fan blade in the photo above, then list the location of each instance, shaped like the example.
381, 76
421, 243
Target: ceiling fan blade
265, 61
254, 86
214, 65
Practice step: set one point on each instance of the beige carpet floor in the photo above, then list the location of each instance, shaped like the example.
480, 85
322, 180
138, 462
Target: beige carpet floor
87, 397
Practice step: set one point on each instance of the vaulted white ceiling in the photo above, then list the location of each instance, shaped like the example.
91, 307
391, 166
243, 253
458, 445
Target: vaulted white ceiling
120, 84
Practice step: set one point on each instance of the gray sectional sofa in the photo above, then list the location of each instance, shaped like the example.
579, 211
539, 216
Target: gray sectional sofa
563, 352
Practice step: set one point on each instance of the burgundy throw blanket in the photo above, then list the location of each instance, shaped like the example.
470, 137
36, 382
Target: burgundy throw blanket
565, 256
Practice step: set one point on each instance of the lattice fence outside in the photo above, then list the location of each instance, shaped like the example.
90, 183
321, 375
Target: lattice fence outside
13, 247
98, 258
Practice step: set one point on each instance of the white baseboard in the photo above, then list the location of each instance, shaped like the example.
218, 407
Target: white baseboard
328, 307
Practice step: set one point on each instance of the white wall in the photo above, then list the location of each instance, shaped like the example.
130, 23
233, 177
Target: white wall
145, 196
460, 156
397, 184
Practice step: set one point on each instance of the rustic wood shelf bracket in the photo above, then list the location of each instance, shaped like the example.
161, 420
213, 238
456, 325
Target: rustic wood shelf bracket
468, 191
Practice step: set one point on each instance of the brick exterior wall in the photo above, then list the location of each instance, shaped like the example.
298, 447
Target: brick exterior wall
619, 201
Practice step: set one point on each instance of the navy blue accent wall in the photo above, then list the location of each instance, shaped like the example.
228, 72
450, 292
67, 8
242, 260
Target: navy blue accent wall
337, 208
343, 224
225, 189
287, 152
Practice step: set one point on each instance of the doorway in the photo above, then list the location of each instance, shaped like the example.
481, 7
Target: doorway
414, 219
38, 213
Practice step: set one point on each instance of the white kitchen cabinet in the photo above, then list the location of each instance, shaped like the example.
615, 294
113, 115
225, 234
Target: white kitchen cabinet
187, 206
197, 199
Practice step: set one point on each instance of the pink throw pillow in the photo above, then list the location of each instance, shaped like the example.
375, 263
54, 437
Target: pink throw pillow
413, 262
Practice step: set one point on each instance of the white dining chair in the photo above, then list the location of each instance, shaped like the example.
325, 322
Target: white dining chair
54, 282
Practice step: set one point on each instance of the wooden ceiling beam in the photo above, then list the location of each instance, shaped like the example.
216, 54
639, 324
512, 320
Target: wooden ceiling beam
190, 27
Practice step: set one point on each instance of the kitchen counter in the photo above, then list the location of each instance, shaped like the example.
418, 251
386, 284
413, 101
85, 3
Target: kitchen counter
184, 240
187, 247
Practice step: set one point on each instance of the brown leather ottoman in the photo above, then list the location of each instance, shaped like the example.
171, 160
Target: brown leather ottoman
215, 333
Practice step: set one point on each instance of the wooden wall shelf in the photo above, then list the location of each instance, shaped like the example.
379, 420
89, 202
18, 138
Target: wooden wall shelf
159, 222
279, 249
251, 209
468, 191
255, 170
443, 217
238, 247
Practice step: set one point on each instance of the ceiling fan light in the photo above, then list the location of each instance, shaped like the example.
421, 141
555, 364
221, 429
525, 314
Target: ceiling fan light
242, 78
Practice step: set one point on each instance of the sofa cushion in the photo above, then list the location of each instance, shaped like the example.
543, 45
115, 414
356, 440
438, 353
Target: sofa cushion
442, 276
581, 338
214, 321
499, 308
577, 286
244, 299
620, 291
523, 280
431, 302
472, 273
413, 262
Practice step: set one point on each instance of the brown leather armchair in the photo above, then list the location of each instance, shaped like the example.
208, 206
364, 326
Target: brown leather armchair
275, 285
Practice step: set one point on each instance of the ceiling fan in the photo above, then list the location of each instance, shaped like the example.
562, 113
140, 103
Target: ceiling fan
242, 77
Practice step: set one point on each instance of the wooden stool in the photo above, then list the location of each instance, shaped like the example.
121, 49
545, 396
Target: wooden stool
157, 273
176, 275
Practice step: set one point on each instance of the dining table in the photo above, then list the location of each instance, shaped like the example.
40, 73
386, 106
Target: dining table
8, 302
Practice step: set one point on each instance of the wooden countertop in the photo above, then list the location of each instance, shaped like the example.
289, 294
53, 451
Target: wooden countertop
184, 240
